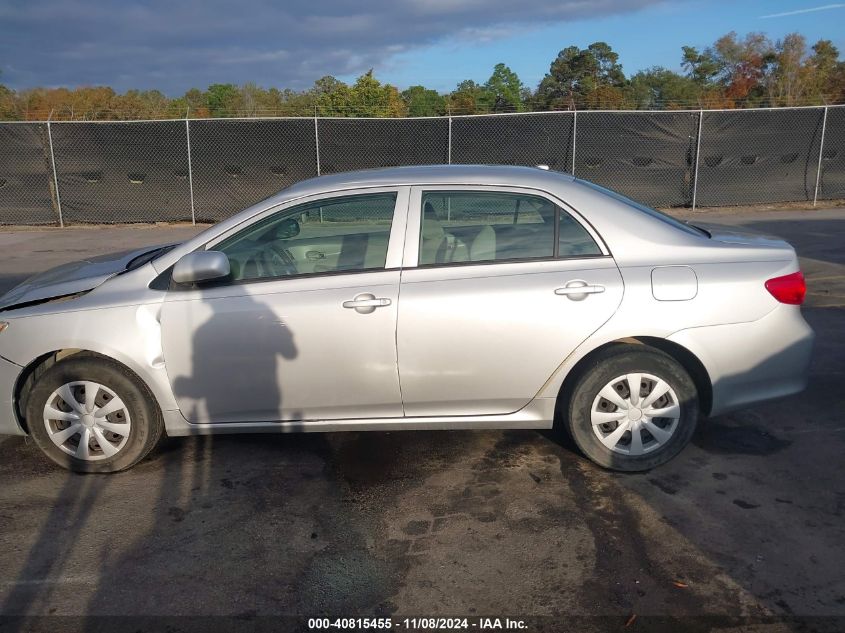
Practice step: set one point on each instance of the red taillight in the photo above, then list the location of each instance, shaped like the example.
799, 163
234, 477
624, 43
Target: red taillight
788, 289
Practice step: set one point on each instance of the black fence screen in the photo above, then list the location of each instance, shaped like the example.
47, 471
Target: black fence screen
348, 144
832, 182
758, 156
238, 163
207, 170
122, 172
530, 139
26, 175
648, 156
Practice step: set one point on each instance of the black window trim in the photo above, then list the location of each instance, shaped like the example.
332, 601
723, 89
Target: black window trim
559, 205
518, 260
271, 213
287, 205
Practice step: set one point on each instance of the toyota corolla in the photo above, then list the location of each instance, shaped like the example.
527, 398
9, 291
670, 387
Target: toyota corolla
441, 297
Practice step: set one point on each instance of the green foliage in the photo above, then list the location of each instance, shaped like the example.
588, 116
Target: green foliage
368, 97
702, 68
222, 99
371, 98
582, 77
422, 101
466, 98
658, 88
503, 91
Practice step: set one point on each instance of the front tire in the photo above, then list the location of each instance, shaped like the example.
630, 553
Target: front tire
632, 408
90, 414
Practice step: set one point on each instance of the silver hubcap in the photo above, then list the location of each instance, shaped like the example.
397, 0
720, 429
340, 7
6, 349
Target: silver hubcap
635, 414
87, 420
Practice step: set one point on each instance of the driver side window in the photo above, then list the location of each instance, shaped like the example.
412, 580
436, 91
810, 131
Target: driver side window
349, 233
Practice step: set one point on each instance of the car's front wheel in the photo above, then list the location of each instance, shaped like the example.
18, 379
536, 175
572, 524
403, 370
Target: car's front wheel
633, 408
93, 415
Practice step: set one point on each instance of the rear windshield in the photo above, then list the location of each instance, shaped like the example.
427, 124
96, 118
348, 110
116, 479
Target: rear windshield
663, 217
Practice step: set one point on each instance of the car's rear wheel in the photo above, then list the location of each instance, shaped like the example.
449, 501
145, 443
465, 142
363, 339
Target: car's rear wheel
93, 415
633, 408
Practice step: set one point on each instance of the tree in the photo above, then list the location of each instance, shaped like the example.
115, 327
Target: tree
8, 111
743, 64
590, 76
788, 77
295, 103
333, 97
702, 68
503, 91
466, 98
659, 88
222, 99
371, 98
252, 99
421, 101
367, 97
558, 88
734, 71
196, 103
607, 70
737, 67
827, 73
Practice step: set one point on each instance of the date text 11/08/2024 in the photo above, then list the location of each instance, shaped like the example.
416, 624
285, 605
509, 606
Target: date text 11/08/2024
425, 624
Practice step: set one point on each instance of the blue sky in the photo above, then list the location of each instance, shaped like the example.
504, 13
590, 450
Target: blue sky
652, 36
173, 45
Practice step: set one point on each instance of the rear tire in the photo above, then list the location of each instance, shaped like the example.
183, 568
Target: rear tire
632, 429
101, 401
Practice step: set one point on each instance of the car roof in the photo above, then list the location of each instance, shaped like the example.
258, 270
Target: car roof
530, 177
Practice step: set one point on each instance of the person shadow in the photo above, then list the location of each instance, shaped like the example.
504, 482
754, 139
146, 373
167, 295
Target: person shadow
234, 372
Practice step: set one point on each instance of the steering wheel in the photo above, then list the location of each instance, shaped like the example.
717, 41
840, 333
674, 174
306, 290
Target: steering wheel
275, 263
269, 262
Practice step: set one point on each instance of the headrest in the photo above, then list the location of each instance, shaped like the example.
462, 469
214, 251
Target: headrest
431, 227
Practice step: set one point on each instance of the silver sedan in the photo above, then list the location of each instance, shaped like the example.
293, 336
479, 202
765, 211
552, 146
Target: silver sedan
441, 297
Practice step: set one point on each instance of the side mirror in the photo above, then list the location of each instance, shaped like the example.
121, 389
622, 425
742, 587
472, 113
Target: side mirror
201, 266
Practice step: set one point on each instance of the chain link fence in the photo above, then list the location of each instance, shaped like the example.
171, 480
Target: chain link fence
237, 163
742, 162
27, 189
122, 172
205, 170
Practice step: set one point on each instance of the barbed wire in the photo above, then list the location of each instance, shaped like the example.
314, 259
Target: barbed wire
387, 112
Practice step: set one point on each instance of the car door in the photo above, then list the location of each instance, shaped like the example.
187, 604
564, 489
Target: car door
499, 286
305, 327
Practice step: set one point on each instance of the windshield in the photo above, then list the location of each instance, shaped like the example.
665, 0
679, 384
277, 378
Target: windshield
663, 217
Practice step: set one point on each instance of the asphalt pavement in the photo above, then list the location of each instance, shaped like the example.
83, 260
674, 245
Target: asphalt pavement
746, 527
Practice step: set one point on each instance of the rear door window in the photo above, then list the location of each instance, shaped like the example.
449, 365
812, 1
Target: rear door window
483, 226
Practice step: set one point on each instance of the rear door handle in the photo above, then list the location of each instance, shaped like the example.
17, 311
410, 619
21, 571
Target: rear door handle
366, 303
577, 290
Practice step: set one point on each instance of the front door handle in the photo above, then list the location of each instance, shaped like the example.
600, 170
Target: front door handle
578, 289
366, 303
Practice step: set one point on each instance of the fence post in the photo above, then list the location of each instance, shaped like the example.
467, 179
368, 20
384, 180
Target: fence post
55, 176
317, 141
821, 156
697, 152
449, 155
574, 132
190, 171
